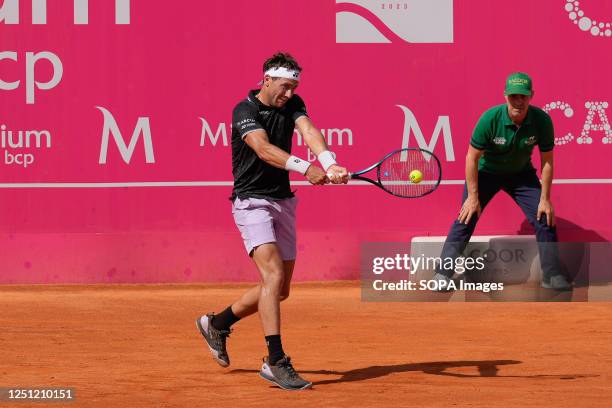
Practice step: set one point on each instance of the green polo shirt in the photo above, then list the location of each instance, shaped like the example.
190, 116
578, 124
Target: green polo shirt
507, 147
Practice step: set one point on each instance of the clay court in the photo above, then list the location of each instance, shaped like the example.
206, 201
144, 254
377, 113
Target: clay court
137, 346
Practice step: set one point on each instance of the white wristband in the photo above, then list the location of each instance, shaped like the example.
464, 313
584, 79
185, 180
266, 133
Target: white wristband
297, 164
326, 158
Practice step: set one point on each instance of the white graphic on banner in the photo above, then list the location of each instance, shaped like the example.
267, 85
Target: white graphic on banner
568, 112
214, 138
30, 81
9, 12
378, 21
110, 126
593, 108
13, 141
411, 125
603, 125
586, 23
333, 137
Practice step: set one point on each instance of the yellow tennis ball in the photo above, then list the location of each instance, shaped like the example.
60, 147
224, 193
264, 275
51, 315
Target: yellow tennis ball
416, 176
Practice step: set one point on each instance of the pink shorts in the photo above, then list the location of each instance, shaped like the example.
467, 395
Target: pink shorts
262, 221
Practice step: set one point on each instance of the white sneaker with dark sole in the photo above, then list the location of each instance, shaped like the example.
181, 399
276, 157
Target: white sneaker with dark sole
215, 339
284, 375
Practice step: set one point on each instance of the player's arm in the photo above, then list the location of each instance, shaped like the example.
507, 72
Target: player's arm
480, 140
546, 144
316, 143
471, 205
277, 157
545, 206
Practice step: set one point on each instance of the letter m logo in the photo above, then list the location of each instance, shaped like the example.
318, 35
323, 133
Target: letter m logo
411, 125
110, 126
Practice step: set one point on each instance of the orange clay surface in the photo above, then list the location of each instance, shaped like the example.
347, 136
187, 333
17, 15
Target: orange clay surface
137, 346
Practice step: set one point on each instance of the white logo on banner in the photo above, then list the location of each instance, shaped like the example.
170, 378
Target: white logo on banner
378, 21
442, 126
9, 11
30, 80
603, 125
333, 137
110, 126
221, 133
568, 112
12, 140
586, 23
593, 108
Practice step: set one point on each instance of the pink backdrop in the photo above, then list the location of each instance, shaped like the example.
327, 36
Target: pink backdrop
184, 66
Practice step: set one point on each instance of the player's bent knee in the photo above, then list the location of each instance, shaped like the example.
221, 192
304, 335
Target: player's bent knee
283, 296
274, 280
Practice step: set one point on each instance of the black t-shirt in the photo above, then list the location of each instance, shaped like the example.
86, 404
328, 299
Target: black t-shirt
252, 176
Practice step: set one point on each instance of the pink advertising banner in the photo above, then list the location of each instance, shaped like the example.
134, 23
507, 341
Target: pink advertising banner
115, 125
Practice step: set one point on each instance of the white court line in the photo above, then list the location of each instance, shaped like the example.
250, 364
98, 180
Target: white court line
230, 183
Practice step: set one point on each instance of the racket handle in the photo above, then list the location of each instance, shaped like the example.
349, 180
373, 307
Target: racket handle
329, 175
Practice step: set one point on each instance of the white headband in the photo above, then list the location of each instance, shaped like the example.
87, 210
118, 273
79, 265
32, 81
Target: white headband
282, 72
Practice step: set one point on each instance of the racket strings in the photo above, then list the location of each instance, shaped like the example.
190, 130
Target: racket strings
395, 173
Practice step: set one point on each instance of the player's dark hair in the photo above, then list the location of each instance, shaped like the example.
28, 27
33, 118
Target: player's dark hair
281, 59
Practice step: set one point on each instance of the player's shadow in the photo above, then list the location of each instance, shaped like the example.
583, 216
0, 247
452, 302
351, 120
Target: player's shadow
486, 368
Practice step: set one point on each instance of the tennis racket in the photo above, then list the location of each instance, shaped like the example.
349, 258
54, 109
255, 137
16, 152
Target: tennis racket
405, 173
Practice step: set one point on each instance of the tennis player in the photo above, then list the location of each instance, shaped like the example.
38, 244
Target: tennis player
264, 207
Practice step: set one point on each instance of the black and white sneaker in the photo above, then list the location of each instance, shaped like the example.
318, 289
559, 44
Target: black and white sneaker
216, 339
283, 374
442, 283
557, 282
